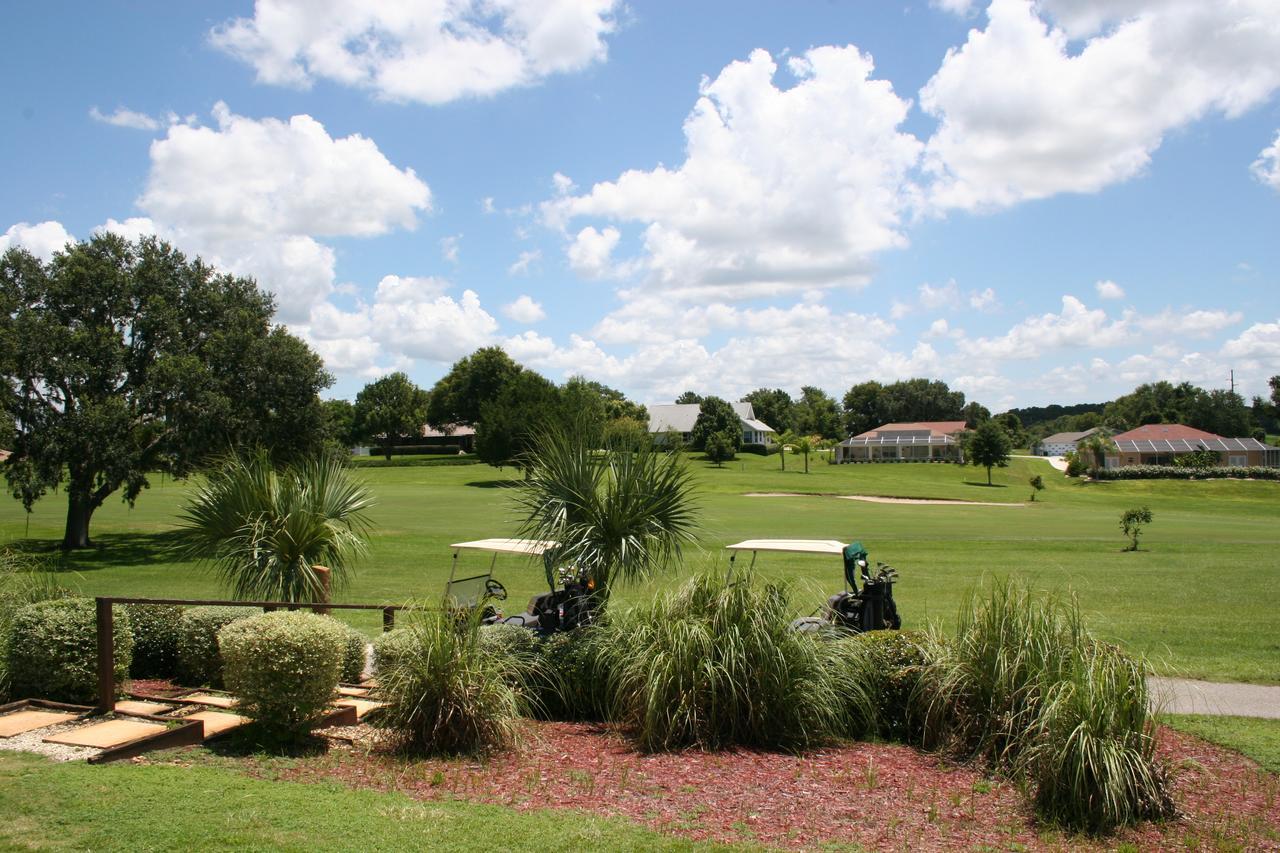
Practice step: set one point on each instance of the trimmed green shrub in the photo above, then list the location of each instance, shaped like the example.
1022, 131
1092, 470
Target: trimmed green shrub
1026, 687
24, 579
446, 692
199, 661
570, 680
155, 639
388, 647
712, 666
53, 650
893, 663
354, 643
1171, 472
284, 667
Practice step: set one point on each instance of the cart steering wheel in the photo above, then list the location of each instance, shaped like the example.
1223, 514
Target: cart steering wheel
494, 589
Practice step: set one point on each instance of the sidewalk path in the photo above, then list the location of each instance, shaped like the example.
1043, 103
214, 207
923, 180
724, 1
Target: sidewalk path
1187, 696
1056, 461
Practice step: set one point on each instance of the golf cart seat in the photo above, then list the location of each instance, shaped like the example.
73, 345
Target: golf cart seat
808, 624
521, 620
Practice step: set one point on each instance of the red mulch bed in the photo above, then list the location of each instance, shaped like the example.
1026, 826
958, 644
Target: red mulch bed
878, 796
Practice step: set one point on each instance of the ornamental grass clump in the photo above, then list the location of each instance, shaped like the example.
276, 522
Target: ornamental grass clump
446, 692
53, 650
713, 666
285, 668
1026, 687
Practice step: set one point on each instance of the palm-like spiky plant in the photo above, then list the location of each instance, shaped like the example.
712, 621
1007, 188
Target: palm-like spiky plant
617, 515
265, 529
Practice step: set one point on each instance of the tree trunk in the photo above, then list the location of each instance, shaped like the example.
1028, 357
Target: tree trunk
79, 511
988, 475
386, 446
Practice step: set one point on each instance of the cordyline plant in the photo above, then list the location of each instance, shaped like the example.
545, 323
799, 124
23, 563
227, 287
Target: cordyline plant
264, 529
616, 515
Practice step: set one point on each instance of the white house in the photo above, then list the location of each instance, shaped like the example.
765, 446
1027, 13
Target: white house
1061, 443
681, 417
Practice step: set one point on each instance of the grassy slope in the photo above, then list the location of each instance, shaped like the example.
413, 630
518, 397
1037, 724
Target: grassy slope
73, 806
1200, 598
1258, 739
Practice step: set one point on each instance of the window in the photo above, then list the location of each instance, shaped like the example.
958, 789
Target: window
1237, 461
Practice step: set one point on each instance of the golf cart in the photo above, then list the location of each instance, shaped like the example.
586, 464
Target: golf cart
871, 609
570, 606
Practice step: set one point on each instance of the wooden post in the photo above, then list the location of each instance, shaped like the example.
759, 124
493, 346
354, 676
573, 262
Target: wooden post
323, 575
106, 656
388, 618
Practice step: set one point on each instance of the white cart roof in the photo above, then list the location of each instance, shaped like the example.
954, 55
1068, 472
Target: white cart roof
800, 546
506, 546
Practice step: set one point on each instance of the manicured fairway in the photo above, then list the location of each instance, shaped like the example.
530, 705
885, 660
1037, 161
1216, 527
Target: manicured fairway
1202, 597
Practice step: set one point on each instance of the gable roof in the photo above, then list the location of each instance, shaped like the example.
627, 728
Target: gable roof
934, 428
1164, 432
1187, 445
1067, 437
682, 416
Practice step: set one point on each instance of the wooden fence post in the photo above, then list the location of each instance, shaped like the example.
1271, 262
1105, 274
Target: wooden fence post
106, 656
326, 588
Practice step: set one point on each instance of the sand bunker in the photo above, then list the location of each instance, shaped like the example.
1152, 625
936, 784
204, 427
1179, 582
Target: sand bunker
876, 499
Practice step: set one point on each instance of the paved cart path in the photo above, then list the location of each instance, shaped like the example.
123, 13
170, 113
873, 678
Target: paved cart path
1187, 696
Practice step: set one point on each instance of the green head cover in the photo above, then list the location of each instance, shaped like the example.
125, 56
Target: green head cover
853, 552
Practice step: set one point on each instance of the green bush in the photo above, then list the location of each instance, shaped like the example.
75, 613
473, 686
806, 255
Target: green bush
1026, 687
354, 643
284, 667
388, 647
894, 661
53, 650
412, 461
712, 666
570, 680
24, 579
155, 639
199, 661
1171, 472
446, 692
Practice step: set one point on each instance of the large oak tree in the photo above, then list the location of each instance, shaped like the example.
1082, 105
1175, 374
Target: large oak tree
124, 359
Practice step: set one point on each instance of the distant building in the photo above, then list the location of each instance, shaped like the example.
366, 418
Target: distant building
463, 436
681, 417
1062, 443
1159, 444
922, 441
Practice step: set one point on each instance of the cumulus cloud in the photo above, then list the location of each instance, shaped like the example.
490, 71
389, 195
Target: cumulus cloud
125, 118
1260, 342
1267, 167
1075, 326
524, 310
1188, 322
1108, 290
428, 52
782, 189
590, 254
41, 239
1024, 113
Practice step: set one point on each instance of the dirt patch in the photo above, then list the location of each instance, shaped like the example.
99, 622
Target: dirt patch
881, 499
873, 795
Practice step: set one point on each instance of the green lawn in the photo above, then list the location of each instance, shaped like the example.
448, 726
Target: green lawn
74, 806
1201, 598
1259, 739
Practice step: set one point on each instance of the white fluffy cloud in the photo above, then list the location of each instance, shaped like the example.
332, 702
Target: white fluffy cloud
1026, 113
591, 253
1186, 323
41, 239
125, 118
1267, 167
782, 189
524, 310
1076, 326
1260, 342
432, 51
1108, 290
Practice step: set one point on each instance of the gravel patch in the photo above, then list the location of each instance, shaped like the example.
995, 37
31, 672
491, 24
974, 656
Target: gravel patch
33, 741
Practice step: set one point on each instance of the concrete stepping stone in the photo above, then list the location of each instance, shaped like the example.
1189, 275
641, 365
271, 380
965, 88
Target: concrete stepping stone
362, 706
108, 734
217, 722
133, 706
353, 691
213, 699
20, 722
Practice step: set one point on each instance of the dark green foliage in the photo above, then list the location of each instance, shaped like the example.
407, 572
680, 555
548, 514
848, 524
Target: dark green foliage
1197, 459
570, 681
988, 446
1131, 523
687, 397
975, 413
894, 663
389, 408
1025, 687
1037, 485
817, 414
414, 462
1219, 412
53, 650
721, 447
714, 416
24, 579
472, 381
388, 647
626, 434
524, 407
595, 407
126, 359
773, 406
339, 425
199, 660
712, 666
446, 692
870, 404
284, 667
354, 645
1169, 472
155, 639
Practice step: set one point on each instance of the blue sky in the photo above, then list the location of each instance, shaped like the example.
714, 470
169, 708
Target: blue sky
1036, 202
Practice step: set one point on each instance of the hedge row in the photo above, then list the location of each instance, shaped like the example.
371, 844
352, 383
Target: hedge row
416, 450
413, 461
1169, 472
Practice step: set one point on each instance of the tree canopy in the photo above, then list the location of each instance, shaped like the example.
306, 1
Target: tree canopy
715, 416
868, 405
689, 397
525, 407
773, 406
816, 413
989, 446
472, 381
389, 408
1218, 411
123, 359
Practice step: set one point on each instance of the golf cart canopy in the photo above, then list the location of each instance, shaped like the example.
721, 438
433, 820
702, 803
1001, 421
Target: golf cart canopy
533, 547
797, 546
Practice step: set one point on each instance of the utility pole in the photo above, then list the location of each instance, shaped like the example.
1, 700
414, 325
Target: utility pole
1233, 381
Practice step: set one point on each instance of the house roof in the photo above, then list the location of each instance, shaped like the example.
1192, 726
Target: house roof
900, 440
932, 427
682, 416
1187, 445
1068, 437
4, 454
455, 431
1164, 432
